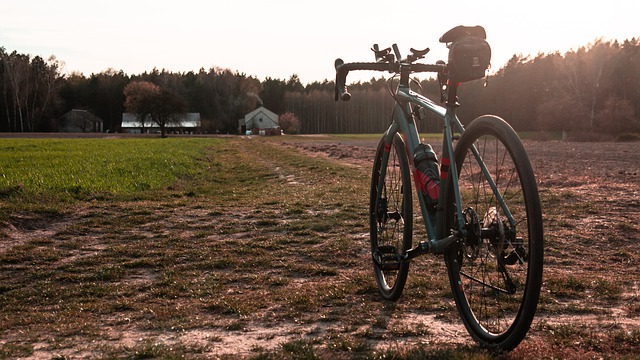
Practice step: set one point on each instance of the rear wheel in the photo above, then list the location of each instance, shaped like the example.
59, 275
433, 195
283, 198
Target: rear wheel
496, 273
391, 217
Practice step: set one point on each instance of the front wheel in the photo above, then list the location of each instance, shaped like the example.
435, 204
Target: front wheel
390, 217
496, 272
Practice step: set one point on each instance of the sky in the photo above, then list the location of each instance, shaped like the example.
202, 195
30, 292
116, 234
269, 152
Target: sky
279, 38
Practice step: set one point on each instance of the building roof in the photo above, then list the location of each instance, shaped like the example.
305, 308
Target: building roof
79, 114
188, 120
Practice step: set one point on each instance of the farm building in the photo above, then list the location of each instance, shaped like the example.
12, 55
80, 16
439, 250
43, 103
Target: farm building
78, 120
189, 124
260, 121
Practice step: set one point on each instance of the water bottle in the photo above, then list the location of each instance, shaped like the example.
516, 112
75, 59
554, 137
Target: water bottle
428, 175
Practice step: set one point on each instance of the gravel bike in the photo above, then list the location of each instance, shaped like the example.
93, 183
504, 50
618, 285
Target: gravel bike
485, 217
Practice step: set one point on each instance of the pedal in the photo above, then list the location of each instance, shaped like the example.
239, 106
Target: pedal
387, 249
387, 258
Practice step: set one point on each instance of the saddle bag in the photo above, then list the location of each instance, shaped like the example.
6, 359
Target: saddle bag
469, 59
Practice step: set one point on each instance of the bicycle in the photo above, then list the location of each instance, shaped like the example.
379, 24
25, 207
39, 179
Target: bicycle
487, 221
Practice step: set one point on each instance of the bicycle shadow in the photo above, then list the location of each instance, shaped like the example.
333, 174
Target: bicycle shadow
398, 324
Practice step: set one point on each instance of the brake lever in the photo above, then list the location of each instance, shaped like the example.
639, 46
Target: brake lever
417, 54
383, 55
420, 53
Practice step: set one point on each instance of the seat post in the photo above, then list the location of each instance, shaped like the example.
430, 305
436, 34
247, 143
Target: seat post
452, 95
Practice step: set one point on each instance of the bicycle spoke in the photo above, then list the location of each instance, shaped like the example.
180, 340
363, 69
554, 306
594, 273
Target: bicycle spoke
492, 285
390, 219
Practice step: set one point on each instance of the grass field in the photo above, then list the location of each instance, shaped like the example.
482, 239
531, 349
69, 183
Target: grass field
257, 248
95, 167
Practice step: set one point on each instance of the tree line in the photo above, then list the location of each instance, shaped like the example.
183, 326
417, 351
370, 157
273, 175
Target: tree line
594, 89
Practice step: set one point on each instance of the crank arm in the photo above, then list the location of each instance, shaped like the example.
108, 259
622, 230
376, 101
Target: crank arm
432, 246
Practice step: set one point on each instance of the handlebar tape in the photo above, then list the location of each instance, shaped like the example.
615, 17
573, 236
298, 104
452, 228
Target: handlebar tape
342, 69
341, 78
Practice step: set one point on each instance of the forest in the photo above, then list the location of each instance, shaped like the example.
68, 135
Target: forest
592, 92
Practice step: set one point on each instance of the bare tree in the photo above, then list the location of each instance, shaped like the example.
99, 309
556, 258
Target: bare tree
289, 123
17, 72
30, 88
151, 102
168, 110
586, 72
139, 100
48, 81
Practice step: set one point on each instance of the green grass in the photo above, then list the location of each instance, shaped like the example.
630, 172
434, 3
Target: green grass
82, 168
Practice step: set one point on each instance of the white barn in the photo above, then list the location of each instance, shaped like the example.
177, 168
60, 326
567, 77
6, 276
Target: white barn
260, 121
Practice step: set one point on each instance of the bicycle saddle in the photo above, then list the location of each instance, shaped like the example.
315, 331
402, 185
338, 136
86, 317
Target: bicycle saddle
459, 32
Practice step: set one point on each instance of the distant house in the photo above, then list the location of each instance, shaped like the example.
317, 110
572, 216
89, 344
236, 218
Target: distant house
189, 124
78, 120
260, 121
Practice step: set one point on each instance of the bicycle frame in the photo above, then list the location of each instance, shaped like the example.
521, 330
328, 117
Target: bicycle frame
438, 237
403, 123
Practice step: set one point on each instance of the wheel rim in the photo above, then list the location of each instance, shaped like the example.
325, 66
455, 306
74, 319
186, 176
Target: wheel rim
390, 225
492, 283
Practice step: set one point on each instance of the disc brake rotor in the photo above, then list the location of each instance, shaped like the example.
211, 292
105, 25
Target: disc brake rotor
473, 234
492, 220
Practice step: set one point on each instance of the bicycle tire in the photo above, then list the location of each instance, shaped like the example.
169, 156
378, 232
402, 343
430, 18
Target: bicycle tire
391, 218
496, 273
